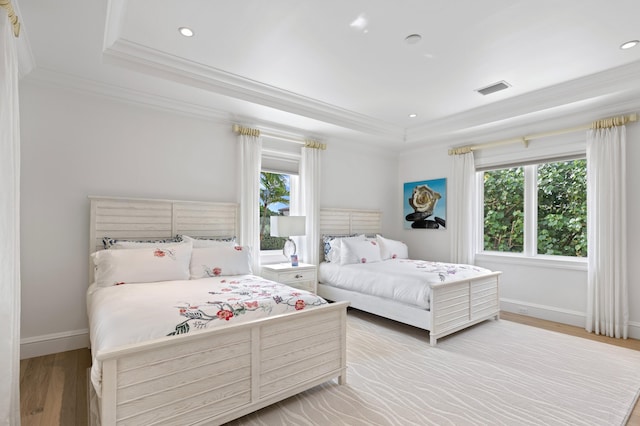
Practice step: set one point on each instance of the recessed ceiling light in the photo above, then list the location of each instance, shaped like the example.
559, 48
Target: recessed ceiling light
413, 115
413, 38
185, 31
360, 23
629, 44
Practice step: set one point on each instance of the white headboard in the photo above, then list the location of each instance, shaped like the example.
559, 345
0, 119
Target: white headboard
350, 221
135, 218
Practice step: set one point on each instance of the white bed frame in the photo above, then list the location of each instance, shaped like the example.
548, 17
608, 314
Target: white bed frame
454, 305
214, 376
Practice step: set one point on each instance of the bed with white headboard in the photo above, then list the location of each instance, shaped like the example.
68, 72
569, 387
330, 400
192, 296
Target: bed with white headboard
452, 305
173, 379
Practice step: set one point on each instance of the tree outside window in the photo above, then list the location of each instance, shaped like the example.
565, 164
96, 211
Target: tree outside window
559, 192
562, 208
274, 201
504, 210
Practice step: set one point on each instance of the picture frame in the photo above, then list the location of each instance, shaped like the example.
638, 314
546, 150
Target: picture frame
425, 204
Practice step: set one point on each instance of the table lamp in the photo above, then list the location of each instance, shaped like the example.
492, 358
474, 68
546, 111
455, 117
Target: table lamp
288, 226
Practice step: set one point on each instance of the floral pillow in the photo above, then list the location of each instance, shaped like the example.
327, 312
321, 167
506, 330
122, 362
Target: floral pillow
112, 243
359, 251
220, 260
392, 249
163, 262
201, 242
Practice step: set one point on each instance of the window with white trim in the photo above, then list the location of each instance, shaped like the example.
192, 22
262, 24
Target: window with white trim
535, 209
280, 167
275, 199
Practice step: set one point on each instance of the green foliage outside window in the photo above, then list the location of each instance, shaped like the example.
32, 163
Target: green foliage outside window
504, 210
562, 209
274, 191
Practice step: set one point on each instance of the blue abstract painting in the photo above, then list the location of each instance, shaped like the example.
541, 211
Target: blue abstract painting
425, 204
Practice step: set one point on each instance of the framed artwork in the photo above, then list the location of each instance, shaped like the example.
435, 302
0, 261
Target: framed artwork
425, 204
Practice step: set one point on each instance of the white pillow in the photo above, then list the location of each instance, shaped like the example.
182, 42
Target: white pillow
142, 265
392, 249
201, 243
334, 254
359, 251
220, 260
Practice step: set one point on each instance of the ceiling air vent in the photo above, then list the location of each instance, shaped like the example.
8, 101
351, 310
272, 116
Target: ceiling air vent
495, 87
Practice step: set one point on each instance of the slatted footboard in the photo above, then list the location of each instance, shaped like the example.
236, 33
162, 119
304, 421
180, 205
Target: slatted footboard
457, 305
222, 374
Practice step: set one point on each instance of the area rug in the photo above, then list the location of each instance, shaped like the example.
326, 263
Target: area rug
495, 373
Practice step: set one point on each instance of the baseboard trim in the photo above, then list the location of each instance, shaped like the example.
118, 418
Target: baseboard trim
53, 343
551, 313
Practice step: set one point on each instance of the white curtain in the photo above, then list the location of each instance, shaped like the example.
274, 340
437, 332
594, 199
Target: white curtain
9, 227
250, 165
607, 302
308, 203
462, 217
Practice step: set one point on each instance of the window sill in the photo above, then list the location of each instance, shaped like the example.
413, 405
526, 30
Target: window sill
268, 257
558, 262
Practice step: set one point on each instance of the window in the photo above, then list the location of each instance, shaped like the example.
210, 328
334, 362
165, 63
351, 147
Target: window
274, 201
504, 210
537, 209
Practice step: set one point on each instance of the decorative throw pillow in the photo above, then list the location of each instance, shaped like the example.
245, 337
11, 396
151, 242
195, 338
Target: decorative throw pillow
359, 251
392, 249
220, 260
113, 243
142, 265
332, 244
201, 242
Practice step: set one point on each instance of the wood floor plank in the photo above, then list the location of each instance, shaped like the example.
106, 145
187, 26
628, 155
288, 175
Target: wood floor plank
36, 380
82, 403
55, 390
67, 362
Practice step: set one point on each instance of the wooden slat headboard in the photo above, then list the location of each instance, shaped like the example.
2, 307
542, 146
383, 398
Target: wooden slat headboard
132, 218
350, 221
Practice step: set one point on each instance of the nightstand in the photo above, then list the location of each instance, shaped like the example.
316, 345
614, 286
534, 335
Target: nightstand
304, 276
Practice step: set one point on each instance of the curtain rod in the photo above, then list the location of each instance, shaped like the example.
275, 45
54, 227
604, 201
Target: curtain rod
13, 18
599, 124
309, 143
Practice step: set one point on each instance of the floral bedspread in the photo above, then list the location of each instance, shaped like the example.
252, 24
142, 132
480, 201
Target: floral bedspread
444, 271
133, 313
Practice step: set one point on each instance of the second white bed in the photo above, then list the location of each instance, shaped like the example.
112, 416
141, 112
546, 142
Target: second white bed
403, 280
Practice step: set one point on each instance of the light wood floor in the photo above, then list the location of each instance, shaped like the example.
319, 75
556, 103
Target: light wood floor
53, 388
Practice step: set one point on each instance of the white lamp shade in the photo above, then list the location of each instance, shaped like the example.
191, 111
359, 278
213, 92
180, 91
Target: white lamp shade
287, 226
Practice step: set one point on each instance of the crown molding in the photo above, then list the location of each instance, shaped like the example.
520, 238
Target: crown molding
596, 92
151, 61
58, 80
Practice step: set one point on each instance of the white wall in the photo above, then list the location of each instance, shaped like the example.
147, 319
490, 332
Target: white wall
75, 145
554, 292
360, 177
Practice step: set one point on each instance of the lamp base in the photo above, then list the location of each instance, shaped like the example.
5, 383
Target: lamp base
289, 248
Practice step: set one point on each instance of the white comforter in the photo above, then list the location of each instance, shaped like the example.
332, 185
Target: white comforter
133, 313
403, 280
